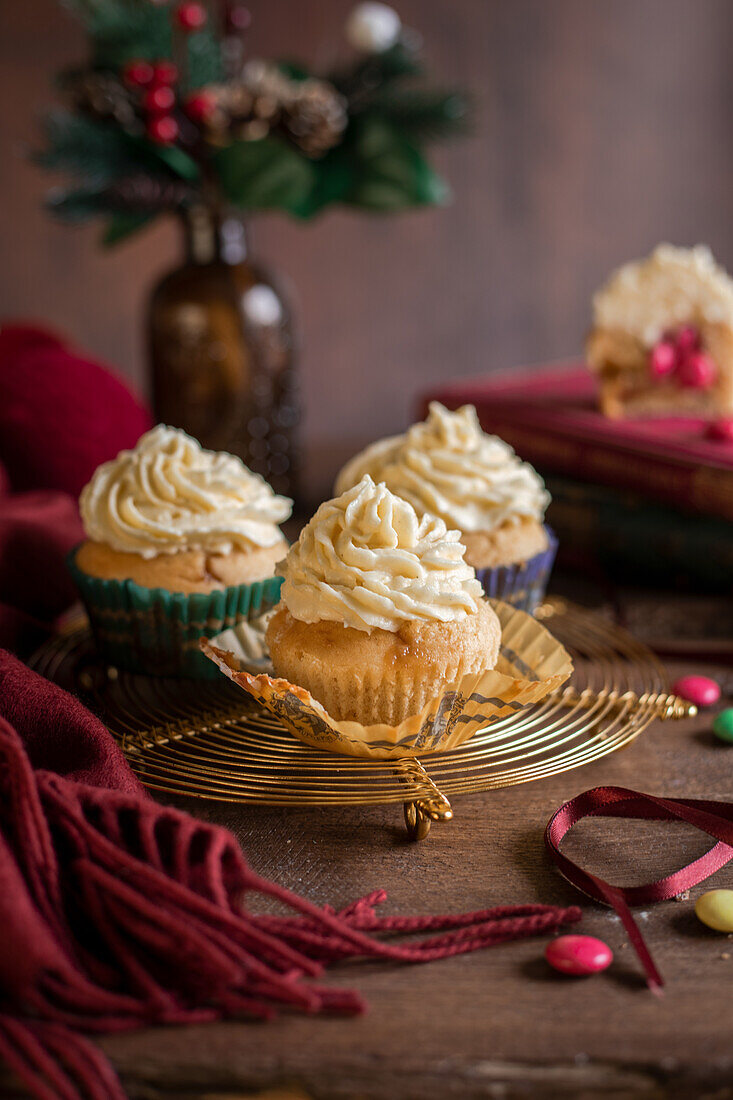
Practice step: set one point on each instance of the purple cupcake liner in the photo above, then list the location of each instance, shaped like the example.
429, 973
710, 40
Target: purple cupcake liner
522, 585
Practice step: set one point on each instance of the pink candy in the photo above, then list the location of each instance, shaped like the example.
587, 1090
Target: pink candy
578, 955
688, 339
697, 371
679, 354
663, 359
697, 689
721, 430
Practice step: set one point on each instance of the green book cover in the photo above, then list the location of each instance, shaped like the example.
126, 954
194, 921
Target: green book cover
635, 539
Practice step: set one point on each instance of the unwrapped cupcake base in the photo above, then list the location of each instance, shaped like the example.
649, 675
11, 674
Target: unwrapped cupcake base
531, 665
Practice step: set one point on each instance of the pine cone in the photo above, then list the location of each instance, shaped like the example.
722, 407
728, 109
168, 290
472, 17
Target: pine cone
104, 96
309, 112
315, 117
233, 112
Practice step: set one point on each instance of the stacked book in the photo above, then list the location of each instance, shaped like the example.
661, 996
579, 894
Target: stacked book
650, 499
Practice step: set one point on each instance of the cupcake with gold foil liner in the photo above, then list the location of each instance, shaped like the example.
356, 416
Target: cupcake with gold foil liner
532, 664
181, 542
383, 644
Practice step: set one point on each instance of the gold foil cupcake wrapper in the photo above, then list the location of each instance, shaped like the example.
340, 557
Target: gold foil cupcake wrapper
531, 665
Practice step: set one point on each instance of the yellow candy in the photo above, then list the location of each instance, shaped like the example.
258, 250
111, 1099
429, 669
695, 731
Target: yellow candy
715, 909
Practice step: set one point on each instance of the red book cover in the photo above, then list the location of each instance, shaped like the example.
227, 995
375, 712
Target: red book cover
550, 416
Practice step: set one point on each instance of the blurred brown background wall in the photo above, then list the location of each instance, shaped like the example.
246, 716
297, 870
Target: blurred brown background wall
601, 128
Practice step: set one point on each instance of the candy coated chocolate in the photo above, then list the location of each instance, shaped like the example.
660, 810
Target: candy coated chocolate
578, 955
697, 689
715, 909
663, 359
688, 339
721, 430
723, 725
697, 371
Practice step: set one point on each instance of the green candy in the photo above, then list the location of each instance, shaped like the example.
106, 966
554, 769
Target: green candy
715, 909
723, 726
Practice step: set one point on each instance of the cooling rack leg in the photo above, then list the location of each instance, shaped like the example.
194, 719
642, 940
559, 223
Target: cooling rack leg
432, 805
417, 821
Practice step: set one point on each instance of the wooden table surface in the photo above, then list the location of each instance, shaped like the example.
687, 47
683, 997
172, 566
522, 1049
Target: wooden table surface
498, 1023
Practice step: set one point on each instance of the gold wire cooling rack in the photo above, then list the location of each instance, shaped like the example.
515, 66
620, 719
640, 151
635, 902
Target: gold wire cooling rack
207, 739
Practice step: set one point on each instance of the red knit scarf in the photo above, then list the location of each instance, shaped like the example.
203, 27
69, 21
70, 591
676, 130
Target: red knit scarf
119, 913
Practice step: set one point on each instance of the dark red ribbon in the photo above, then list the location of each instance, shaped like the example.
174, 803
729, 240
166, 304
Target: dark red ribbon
713, 818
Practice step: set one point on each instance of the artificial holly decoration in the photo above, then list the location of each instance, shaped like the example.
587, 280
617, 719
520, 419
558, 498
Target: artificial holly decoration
162, 129
200, 106
238, 17
164, 72
191, 16
159, 99
138, 74
168, 113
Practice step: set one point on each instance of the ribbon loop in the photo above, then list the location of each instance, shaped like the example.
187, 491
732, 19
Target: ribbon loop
711, 817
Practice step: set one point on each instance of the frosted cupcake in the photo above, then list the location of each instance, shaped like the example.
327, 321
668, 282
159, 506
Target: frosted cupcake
379, 610
662, 336
448, 467
180, 542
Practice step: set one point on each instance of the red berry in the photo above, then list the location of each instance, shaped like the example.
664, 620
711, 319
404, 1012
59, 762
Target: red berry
162, 129
697, 372
191, 16
663, 359
238, 17
164, 72
159, 100
200, 106
687, 340
137, 74
721, 430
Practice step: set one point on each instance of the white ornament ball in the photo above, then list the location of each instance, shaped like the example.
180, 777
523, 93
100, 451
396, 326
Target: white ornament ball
373, 27
262, 305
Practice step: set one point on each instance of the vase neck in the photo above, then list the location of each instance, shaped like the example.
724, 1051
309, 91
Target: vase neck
211, 236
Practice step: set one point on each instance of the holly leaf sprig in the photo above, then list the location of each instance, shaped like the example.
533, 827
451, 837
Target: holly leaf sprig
357, 137
379, 165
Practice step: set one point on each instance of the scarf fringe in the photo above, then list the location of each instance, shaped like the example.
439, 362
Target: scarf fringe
145, 911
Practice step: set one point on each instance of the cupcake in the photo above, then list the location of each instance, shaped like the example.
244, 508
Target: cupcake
662, 336
180, 542
379, 611
448, 467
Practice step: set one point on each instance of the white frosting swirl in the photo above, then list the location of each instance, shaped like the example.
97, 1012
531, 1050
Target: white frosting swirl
367, 561
169, 494
449, 467
672, 287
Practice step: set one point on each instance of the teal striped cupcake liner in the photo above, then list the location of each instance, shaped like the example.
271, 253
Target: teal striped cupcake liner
156, 632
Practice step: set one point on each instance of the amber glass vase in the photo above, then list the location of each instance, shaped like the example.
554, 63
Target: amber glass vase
222, 350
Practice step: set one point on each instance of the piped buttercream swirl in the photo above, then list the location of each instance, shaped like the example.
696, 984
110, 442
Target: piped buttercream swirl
366, 560
671, 287
168, 494
449, 467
